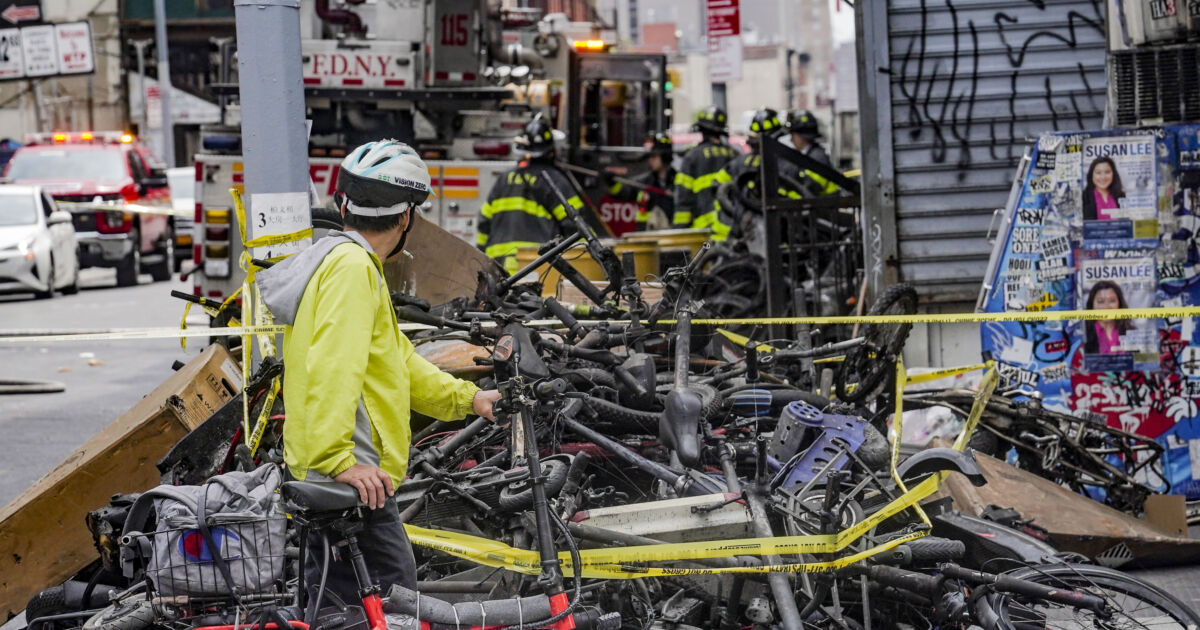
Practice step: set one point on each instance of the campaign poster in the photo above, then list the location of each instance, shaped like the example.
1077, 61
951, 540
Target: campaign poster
1118, 345
1119, 198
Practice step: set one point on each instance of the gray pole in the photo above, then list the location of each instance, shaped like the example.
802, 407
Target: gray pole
271, 84
164, 81
140, 45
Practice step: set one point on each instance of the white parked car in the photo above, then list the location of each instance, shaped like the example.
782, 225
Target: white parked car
38, 252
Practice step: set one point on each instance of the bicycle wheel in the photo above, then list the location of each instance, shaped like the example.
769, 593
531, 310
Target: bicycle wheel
1132, 602
867, 365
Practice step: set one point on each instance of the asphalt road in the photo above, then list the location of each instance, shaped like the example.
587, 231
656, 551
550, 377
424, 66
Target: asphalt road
102, 378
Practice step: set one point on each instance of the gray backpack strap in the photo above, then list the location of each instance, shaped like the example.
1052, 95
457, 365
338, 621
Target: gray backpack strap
218, 559
139, 512
135, 521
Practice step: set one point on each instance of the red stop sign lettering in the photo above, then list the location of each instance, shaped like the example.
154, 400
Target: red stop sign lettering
620, 216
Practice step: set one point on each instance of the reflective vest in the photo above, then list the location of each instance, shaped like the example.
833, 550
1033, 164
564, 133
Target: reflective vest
696, 181
648, 201
523, 210
719, 221
823, 186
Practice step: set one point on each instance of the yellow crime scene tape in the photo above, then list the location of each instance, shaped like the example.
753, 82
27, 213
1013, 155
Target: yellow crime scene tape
927, 318
1161, 312
632, 562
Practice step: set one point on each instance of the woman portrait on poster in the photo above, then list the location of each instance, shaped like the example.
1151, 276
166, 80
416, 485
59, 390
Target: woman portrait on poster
1104, 336
1103, 191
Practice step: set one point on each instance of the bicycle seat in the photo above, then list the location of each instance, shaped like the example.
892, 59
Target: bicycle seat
679, 426
320, 496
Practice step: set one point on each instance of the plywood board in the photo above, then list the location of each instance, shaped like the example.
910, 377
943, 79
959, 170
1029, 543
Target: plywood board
43, 538
1075, 522
442, 267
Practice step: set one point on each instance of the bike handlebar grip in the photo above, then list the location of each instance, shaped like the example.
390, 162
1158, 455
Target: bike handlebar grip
418, 316
934, 549
694, 263
400, 299
550, 388
561, 312
906, 579
627, 379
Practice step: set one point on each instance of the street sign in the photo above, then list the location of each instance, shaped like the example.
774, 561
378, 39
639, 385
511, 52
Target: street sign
45, 50
724, 59
723, 17
39, 50
12, 65
74, 48
19, 12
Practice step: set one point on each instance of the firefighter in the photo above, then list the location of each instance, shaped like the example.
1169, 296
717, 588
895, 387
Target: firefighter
656, 207
526, 205
765, 123
805, 132
696, 181
351, 377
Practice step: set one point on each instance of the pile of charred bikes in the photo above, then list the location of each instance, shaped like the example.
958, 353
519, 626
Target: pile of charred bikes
651, 470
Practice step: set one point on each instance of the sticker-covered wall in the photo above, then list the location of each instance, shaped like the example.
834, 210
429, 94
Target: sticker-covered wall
1108, 220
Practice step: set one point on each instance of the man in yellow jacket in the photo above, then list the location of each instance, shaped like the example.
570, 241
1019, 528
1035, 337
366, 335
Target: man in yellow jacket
350, 376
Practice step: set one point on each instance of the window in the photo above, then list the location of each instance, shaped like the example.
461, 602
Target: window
136, 167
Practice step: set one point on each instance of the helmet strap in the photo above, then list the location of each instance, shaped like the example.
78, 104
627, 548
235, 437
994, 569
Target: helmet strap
403, 237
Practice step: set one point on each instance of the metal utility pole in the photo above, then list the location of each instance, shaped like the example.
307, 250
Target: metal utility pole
225, 52
271, 84
140, 46
164, 82
35, 89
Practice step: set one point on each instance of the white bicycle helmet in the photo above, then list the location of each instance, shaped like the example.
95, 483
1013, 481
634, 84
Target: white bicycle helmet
383, 178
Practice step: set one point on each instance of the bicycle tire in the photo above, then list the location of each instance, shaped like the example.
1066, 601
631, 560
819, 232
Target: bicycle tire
326, 219
1114, 586
514, 500
624, 418
135, 615
868, 365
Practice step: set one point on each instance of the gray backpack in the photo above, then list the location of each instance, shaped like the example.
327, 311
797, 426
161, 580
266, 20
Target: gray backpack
223, 538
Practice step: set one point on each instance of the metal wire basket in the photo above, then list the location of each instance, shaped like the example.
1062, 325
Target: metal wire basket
179, 561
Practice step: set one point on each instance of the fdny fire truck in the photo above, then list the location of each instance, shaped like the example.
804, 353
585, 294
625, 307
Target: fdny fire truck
457, 79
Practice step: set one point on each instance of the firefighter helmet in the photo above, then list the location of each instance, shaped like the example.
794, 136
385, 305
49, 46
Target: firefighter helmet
712, 119
802, 123
660, 144
537, 138
765, 122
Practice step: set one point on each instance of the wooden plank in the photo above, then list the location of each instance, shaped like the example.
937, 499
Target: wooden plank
1075, 522
43, 538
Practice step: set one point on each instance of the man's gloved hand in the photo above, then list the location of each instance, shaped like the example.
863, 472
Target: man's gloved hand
374, 486
484, 400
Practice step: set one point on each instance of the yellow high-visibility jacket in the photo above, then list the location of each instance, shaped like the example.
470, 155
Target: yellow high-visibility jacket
350, 376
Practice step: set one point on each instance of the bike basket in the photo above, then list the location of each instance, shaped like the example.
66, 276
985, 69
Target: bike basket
225, 538
182, 562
